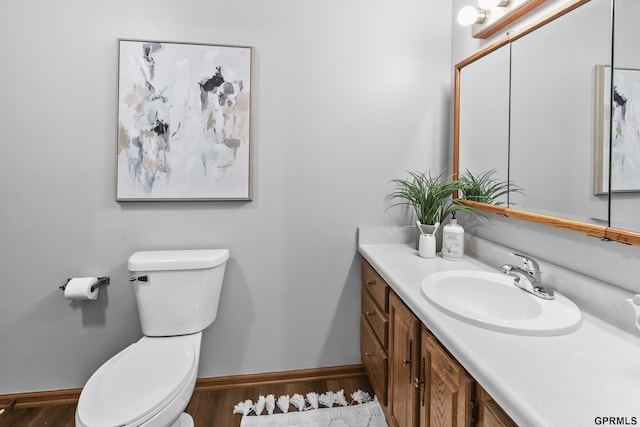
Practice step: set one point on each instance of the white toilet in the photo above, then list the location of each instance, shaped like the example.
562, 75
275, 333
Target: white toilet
150, 382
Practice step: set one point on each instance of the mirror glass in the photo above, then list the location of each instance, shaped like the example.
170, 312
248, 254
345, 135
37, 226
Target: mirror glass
484, 116
625, 129
554, 104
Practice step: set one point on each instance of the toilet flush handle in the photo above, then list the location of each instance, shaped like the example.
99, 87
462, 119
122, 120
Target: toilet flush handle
144, 278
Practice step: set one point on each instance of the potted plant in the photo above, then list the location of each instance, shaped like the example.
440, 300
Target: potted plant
430, 197
483, 188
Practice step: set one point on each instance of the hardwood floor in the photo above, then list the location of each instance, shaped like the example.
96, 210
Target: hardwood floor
55, 416
212, 403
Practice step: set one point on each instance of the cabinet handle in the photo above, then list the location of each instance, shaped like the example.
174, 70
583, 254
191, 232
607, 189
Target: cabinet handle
370, 313
406, 362
422, 381
366, 353
371, 282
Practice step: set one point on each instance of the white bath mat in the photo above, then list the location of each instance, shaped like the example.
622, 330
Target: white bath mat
330, 409
362, 415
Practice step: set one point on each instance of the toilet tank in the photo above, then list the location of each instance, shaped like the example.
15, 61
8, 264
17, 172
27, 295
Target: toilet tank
177, 291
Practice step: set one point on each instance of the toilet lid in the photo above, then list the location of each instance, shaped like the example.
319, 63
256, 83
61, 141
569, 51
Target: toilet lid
136, 381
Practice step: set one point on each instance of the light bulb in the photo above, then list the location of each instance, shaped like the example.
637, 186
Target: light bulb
469, 15
490, 4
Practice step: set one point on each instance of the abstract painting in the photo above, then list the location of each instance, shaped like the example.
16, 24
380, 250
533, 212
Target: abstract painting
621, 152
184, 122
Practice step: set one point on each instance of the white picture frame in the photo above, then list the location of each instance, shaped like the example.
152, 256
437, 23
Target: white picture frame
183, 122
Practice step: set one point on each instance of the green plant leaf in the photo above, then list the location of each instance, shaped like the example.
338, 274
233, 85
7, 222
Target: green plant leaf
484, 188
431, 197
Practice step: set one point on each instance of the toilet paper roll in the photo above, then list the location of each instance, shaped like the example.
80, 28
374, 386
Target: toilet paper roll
79, 288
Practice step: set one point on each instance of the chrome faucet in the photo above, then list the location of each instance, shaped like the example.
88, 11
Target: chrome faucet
528, 278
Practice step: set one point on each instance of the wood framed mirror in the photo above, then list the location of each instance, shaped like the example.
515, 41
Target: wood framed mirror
542, 134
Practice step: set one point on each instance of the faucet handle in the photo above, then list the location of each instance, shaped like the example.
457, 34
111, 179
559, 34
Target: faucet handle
530, 264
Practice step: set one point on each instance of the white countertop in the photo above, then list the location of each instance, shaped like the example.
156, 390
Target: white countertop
561, 381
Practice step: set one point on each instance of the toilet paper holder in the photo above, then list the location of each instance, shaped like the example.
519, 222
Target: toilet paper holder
101, 282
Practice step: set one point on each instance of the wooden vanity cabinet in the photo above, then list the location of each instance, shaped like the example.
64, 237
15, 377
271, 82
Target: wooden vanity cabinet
374, 331
418, 383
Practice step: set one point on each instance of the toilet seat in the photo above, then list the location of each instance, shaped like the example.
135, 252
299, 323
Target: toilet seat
138, 382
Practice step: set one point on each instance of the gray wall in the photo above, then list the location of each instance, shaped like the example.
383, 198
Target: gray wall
611, 262
347, 96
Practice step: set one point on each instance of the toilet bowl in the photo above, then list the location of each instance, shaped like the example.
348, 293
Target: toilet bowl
147, 384
150, 383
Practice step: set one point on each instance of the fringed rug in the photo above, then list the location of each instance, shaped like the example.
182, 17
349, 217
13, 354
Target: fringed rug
363, 412
362, 415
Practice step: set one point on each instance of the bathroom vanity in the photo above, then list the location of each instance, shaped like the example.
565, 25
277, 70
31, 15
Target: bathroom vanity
430, 369
416, 380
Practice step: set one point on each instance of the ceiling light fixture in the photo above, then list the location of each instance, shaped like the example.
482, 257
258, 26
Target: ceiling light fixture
470, 15
494, 15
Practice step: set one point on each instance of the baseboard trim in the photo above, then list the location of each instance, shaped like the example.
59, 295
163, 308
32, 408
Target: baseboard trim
71, 396
41, 398
299, 375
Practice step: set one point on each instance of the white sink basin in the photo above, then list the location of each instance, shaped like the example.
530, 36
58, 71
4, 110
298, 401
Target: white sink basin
492, 301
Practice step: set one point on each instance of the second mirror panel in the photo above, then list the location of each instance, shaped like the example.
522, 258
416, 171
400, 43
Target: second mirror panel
484, 117
553, 109
625, 196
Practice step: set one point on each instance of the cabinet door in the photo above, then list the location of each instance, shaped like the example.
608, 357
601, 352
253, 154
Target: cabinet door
450, 389
403, 348
375, 285
378, 320
375, 361
490, 414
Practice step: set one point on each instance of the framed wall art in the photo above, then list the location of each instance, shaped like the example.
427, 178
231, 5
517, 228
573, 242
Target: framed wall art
184, 121
617, 130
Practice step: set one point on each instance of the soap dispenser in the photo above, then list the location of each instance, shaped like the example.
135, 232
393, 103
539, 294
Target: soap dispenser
453, 240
